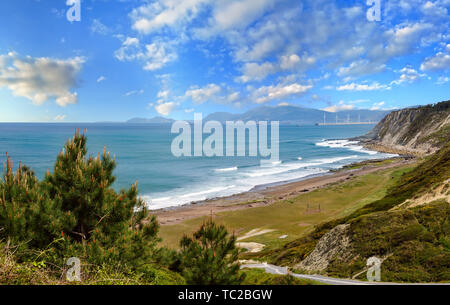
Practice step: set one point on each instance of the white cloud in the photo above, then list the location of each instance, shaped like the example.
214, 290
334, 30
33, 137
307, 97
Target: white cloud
233, 97
377, 106
157, 56
99, 28
257, 72
434, 9
283, 104
408, 75
362, 87
269, 93
130, 50
154, 56
361, 67
165, 108
165, 13
399, 41
339, 107
189, 110
41, 79
442, 80
201, 95
229, 15
129, 41
289, 61
268, 36
134, 92
440, 61
101, 79
164, 95
60, 117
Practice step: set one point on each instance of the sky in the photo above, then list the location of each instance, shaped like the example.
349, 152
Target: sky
171, 58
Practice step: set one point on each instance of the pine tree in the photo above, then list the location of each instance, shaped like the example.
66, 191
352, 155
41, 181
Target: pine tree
109, 225
28, 217
210, 257
76, 211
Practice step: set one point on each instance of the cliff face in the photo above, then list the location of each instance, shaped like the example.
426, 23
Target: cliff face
421, 130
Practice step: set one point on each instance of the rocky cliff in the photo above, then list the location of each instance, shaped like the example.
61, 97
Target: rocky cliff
417, 131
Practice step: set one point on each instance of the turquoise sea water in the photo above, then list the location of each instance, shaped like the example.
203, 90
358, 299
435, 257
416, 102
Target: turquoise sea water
143, 154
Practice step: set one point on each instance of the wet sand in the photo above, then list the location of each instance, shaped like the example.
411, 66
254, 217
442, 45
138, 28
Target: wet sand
266, 195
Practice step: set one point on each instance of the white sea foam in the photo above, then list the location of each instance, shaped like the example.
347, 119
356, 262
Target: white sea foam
237, 184
351, 145
265, 171
230, 169
242, 179
182, 197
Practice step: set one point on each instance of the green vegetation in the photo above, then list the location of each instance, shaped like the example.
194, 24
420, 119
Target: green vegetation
425, 115
298, 215
421, 119
42, 272
373, 163
210, 257
414, 242
260, 277
438, 138
74, 212
423, 178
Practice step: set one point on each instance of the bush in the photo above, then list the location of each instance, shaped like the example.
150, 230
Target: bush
75, 211
210, 257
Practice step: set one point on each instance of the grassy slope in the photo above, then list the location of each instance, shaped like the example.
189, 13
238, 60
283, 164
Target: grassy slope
290, 217
260, 277
415, 241
38, 273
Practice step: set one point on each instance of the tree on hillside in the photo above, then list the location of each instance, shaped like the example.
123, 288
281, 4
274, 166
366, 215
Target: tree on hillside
28, 217
76, 210
210, 257
108, 224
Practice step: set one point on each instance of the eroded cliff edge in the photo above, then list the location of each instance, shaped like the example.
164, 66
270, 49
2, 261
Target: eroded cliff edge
411, 131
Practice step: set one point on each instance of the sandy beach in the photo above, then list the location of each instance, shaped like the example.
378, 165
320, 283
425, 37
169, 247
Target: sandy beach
266, 195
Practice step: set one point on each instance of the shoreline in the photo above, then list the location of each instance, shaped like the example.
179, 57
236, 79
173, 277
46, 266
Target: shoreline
267, 194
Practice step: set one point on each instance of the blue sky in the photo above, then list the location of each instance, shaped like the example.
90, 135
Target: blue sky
136, 58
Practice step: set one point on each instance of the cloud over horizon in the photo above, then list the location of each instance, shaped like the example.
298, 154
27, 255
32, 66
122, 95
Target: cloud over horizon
41, 79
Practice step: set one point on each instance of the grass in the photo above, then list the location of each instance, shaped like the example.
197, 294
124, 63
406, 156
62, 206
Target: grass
425, 177
40, 273
373, 163
260, 277
413, 241
438, 138
292, 217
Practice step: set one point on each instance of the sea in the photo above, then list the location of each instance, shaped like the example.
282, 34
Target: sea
143, 154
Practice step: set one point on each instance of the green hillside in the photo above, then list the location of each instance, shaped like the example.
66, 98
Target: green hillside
415, 242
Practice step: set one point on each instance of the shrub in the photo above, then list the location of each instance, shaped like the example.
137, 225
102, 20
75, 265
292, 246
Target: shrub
210, 257
75, 211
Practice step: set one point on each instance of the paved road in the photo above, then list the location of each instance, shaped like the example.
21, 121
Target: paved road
323, 279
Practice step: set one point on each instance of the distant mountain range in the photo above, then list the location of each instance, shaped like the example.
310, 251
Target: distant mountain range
285, 115
155, 120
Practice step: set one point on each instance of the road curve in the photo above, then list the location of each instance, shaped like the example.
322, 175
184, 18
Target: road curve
319, 278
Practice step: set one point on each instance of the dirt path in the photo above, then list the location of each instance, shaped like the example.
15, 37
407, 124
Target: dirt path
262, 197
